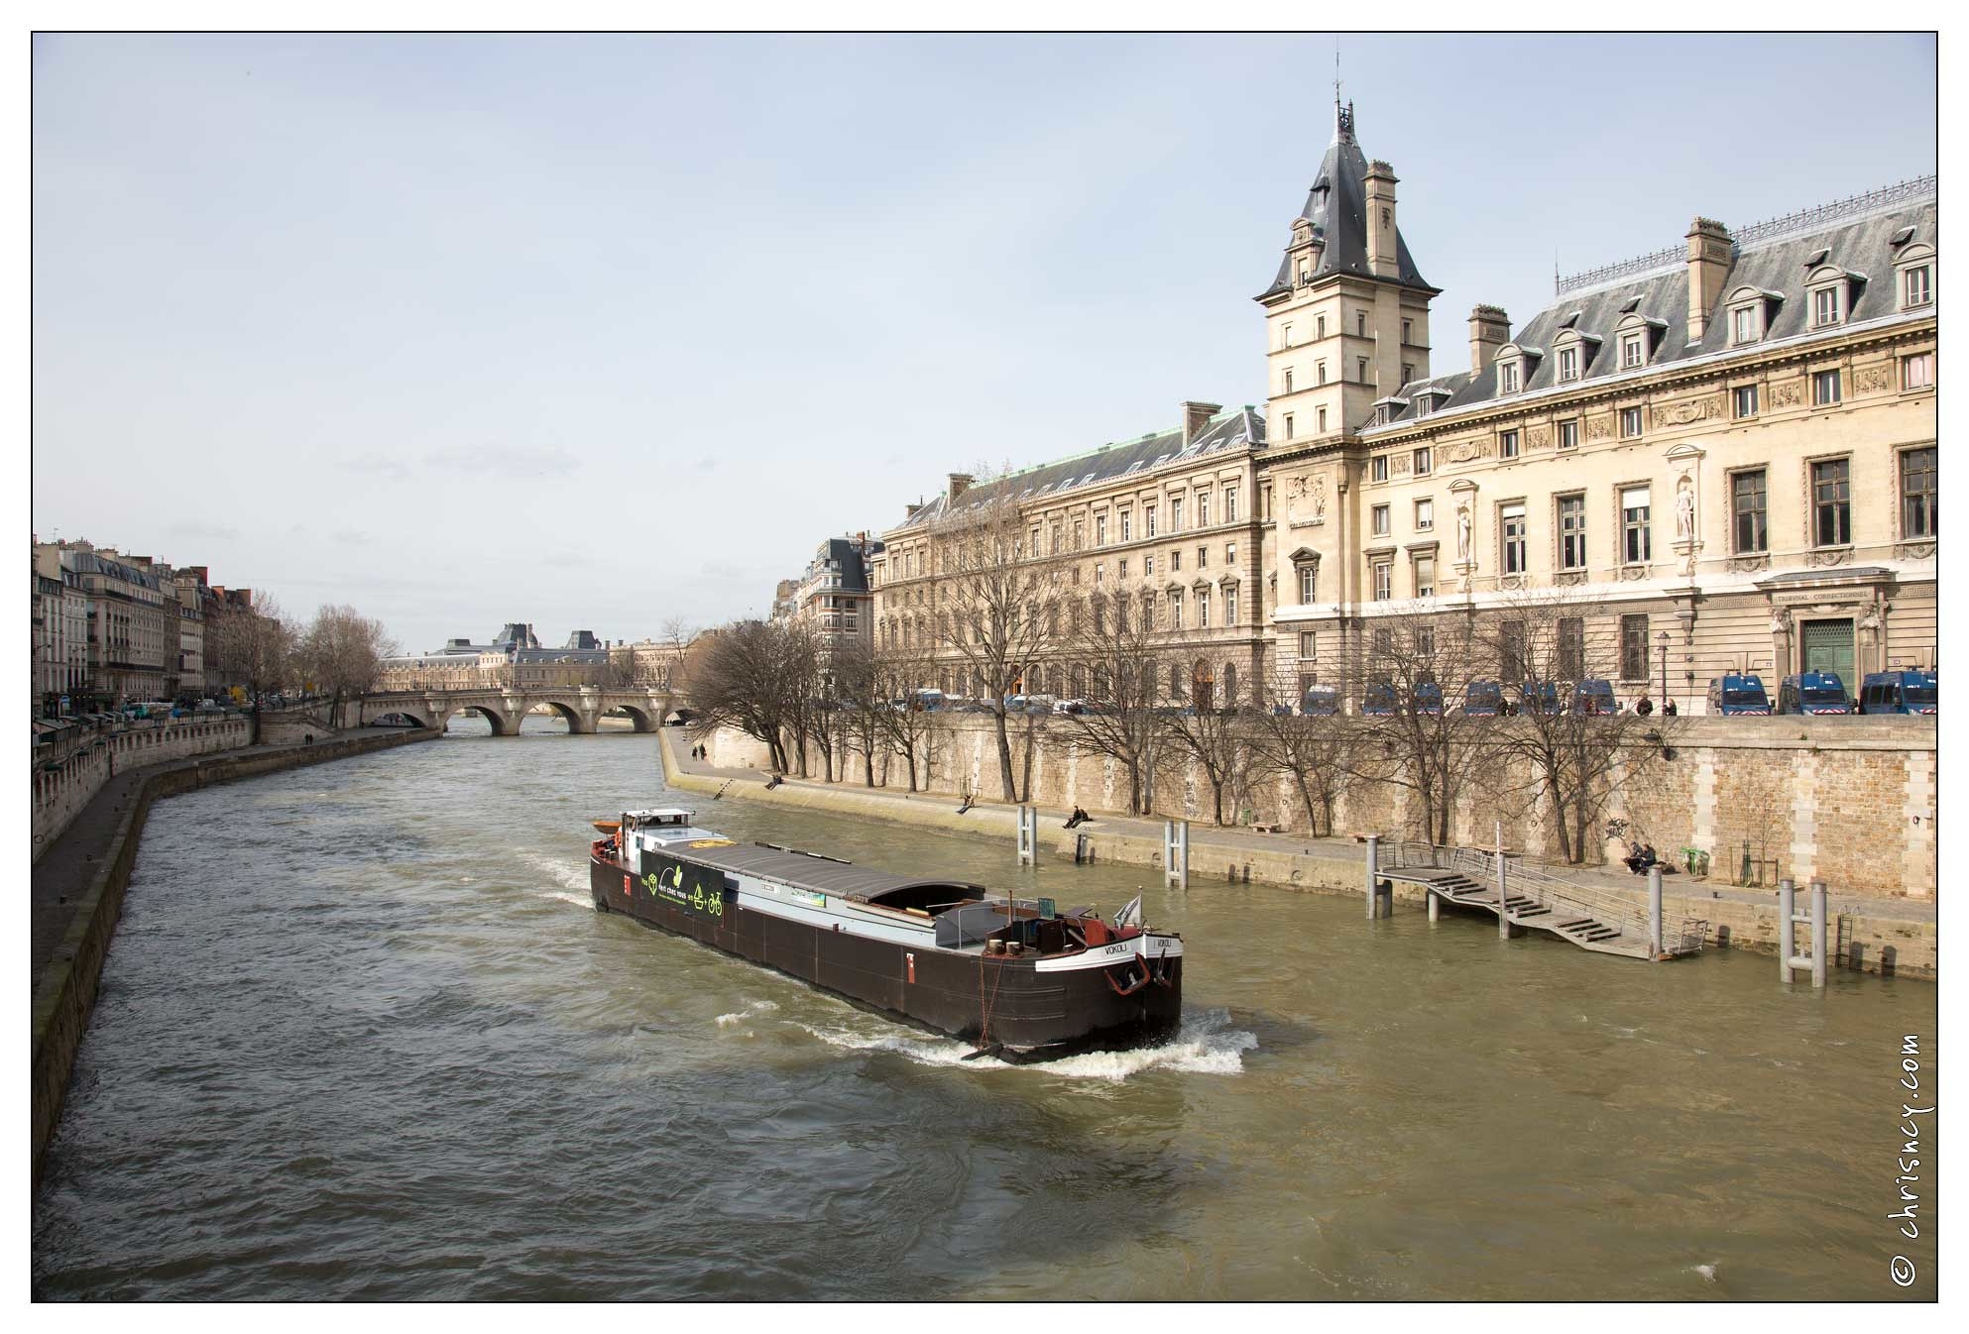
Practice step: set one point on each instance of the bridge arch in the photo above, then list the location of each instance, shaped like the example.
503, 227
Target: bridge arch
401, 718
640, 717
500, 727
578, 722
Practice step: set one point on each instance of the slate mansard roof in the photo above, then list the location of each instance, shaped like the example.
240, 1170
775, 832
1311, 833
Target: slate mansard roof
1233, 429
1337, 207
1865, 237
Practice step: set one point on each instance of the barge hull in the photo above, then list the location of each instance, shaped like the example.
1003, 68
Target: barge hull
981, 999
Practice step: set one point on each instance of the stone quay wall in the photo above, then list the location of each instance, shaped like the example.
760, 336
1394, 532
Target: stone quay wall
61, 793
1859, 939
65, 993
1847, 800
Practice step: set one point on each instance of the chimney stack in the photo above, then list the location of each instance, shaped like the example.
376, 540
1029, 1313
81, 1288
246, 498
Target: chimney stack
1709, 268
1380, 181
960, 482
1196, 417
1490, 330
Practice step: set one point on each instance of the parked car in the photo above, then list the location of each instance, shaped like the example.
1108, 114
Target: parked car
926, 701
1483, 699
1429, 699
1594, 696
1813, 692
1378, 702
1898, 692
1736, 693
1320, 702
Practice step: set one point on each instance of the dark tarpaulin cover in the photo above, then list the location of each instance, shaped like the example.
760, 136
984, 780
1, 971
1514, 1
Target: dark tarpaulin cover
969, 925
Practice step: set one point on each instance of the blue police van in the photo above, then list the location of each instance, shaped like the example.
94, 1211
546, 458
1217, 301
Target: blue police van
1738, 693
1813, 692
1898, 692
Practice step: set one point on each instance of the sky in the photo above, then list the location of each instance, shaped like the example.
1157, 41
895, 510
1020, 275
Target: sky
594, 331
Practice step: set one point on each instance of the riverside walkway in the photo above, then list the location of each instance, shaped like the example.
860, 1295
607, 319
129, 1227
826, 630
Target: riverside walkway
1906, 921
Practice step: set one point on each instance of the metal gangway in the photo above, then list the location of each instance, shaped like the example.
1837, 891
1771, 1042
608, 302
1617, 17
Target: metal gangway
1603, 921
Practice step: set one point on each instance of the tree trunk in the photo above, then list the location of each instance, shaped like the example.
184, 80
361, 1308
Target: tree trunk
1005, 777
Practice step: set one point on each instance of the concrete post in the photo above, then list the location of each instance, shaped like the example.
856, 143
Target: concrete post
1373, 870
1787, 927
1028, 836
1818, 935
1503, 912
1654, 912
1435, 907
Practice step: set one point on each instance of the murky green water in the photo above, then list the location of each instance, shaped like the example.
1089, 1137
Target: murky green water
360, 1035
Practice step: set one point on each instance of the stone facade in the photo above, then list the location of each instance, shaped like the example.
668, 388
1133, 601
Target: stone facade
1724, 454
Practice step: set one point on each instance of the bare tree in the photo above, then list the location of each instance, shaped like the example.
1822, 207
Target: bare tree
1545, 643
1206, 728
342, 653
911, 731
992, 598
1122, 665
1416, 732
1315, 754
754, 677
254, 646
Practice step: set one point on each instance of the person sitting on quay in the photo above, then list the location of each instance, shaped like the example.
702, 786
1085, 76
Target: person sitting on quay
1079, 817
966, 807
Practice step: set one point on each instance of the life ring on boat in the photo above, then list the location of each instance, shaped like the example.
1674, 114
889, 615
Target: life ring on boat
1134, 986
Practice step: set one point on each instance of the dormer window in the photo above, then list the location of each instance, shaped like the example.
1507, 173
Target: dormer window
1631, 352
1576, 350
1832, 290
1917, 286
1825, 307
1916, 267
1568, 363
1750, 313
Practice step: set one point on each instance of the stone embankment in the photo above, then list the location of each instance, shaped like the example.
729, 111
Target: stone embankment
1851, 801
63, 789
1891, 936
78, 891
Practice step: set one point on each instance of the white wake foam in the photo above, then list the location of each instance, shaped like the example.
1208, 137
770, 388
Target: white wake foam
1206, 1044
564, 875
752, 1011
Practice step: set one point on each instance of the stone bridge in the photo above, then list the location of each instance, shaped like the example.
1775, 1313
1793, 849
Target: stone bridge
582, 706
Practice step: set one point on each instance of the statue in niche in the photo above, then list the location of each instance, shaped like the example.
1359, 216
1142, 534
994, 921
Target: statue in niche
1685, 509
1463, 531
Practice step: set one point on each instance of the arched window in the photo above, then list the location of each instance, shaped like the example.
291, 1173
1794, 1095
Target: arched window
1176, 692
1203, 686
1230, 685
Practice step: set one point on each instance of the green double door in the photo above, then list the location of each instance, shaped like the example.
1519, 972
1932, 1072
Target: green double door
1827, 646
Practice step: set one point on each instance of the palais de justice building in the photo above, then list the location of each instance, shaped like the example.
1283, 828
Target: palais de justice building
1729, 442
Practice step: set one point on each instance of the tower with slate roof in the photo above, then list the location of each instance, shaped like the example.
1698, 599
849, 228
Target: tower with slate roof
1347, 316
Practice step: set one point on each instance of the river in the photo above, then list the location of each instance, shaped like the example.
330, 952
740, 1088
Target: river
362, 1036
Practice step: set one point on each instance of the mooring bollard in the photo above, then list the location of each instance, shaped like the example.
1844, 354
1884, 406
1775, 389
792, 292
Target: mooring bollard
1083, 850
1787, 928
1503, 896
1818, 934
1654, 912
1176, 853
1373, 870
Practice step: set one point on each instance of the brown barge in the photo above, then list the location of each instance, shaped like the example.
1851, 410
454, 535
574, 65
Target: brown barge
1009, 975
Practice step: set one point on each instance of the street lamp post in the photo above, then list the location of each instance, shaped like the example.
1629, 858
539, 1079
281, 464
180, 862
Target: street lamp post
1664, 668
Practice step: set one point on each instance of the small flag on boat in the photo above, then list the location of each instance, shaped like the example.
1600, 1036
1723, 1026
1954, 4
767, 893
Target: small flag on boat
1130, 914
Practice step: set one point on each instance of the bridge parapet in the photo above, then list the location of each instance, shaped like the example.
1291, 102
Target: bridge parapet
504, 707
